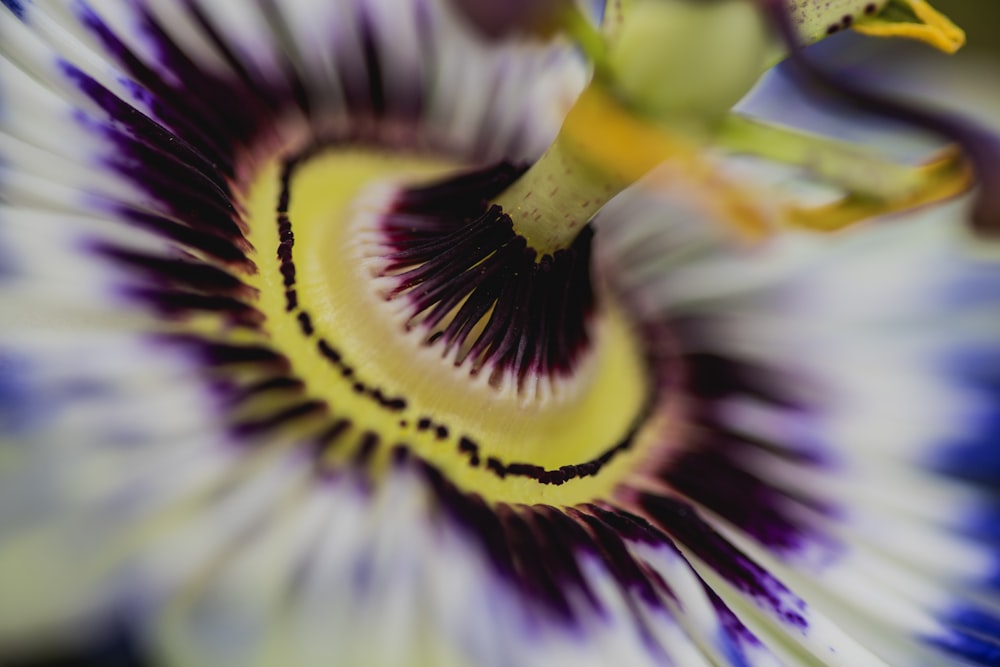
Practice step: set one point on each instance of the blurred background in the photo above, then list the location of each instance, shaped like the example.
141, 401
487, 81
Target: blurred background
979, 18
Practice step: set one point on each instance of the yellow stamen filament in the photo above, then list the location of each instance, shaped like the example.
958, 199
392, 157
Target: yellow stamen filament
934, 28
943, 178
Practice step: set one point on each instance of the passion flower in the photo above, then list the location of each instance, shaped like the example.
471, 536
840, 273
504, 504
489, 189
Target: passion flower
334, 334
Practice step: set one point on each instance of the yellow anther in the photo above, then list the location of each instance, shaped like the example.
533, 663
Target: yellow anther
932, 27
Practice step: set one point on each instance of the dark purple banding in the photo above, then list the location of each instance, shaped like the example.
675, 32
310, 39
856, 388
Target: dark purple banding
607, 529
475, 285
534, 549
683, 522
540, 549
222, 355
186, 273
710, 469
281, 418
709, 472
268, 386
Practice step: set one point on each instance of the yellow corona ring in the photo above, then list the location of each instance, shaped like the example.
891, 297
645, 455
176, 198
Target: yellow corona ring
566, 439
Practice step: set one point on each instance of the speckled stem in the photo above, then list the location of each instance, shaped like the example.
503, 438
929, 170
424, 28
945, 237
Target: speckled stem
557, 196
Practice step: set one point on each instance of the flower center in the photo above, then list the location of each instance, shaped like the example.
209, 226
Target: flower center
412, 310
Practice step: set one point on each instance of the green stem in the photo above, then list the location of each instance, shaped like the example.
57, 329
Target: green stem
557, 197
840, 163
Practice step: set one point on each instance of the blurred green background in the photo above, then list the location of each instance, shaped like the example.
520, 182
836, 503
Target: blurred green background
979, 18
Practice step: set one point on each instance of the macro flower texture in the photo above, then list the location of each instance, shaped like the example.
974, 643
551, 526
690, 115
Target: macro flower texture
460, 333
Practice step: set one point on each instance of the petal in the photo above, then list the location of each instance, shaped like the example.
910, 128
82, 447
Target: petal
835, 420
